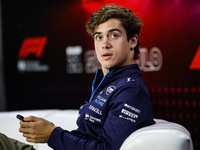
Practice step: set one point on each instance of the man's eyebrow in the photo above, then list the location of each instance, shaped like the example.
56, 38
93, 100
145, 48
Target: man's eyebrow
111, 30
115, 30
96, 33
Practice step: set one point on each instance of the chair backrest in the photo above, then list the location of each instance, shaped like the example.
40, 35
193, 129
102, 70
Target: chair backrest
163, 135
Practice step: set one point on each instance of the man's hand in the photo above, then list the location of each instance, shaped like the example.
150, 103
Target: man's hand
36, 130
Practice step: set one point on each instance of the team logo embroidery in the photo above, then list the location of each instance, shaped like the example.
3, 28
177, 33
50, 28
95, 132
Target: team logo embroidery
87, 116
91, 118
96, 110
110, 90
129, 79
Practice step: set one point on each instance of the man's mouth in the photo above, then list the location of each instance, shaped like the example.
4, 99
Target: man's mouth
106, 56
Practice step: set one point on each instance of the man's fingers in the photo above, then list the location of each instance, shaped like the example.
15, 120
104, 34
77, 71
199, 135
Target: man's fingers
31, 119
29, 137
33, 138
25, 130
25, 124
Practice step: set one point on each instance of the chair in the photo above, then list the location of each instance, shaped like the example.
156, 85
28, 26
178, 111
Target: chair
163, 135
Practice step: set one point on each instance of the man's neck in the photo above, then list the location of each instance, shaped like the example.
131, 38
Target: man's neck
105, 71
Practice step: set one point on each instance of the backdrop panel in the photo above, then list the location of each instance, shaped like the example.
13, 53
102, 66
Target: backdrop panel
50, 60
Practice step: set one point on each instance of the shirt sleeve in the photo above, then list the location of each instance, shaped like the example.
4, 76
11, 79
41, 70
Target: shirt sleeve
127, 113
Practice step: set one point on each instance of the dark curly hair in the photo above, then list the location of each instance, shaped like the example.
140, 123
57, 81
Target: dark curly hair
130, 22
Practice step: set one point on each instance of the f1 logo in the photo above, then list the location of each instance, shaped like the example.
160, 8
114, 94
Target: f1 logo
32, 45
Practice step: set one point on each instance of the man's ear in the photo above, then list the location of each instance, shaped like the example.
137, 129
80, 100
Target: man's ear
133, 41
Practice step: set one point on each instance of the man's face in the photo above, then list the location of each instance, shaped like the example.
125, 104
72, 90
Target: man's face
111, 45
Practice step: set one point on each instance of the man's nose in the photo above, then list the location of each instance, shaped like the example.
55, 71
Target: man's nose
106, 44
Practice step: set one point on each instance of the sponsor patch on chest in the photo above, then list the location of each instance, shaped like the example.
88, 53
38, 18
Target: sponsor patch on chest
96, 110
110, 89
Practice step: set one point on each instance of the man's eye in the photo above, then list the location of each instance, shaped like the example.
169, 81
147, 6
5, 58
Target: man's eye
113, 36
98, 37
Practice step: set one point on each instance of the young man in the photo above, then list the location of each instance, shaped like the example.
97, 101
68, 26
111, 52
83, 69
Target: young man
119, 103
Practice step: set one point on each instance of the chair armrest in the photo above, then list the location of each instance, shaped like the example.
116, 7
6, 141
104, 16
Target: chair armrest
163, 135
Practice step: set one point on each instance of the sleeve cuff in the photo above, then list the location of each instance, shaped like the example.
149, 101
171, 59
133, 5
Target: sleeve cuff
54, 136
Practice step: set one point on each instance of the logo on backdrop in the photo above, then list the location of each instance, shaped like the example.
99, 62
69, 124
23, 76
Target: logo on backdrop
148, 62
152, 61
73, 58
32, 46
195, 64
75, 64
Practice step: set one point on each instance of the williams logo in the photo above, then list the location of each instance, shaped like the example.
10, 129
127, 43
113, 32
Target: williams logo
110, 90
32, 46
